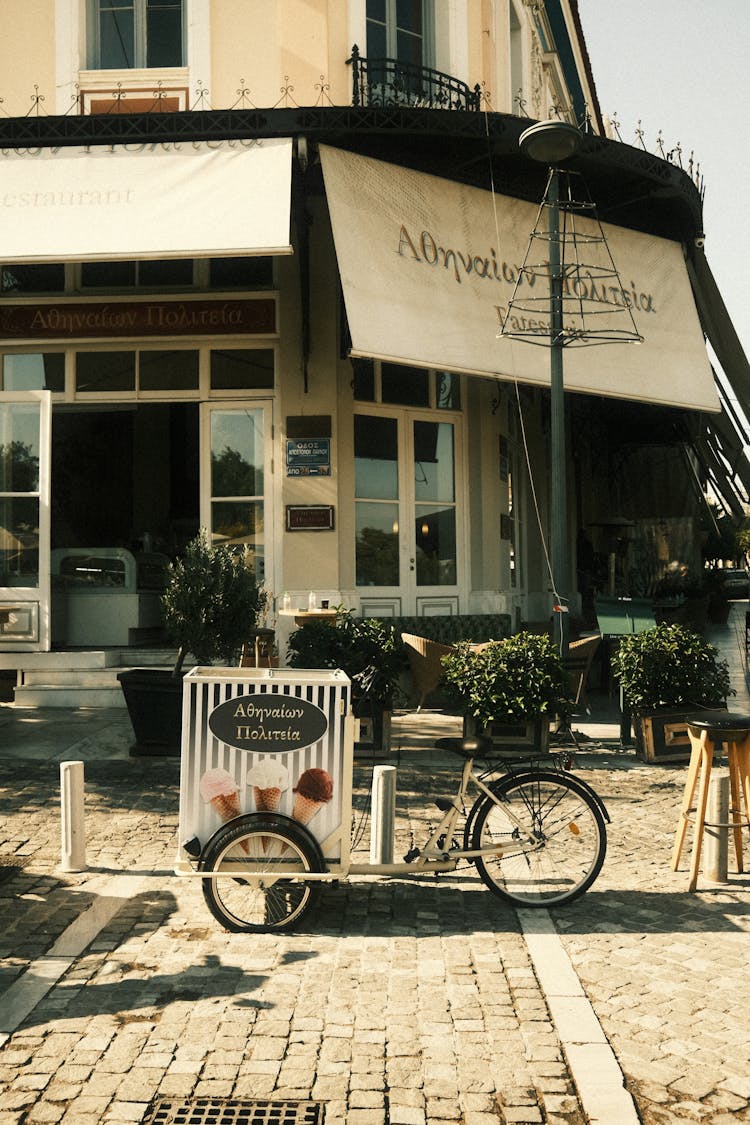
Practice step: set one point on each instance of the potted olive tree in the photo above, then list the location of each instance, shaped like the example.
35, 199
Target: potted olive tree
510, 690
368, 651
211, 605
666, 674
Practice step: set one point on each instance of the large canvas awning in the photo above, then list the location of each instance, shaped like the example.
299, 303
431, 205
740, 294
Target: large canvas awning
428, 266
169, 200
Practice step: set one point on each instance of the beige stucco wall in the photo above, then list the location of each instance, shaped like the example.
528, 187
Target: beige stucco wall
290, 53
27, 37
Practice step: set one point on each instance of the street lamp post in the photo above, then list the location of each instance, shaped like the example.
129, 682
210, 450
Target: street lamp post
549, 142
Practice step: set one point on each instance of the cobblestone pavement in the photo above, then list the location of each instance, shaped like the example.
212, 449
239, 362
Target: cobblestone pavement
396, 1002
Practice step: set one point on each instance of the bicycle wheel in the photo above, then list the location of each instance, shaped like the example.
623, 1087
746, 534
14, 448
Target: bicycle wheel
261, 851
550, 835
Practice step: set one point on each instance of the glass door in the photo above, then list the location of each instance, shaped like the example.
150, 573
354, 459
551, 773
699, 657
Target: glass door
407, 548
25, 521
235, 480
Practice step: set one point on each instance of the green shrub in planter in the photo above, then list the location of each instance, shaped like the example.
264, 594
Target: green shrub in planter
509, 681
211, 603
366, 648
670, 666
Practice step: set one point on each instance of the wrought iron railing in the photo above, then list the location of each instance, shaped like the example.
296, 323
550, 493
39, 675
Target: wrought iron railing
390, 82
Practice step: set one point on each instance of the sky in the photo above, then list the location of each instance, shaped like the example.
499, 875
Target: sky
681, 66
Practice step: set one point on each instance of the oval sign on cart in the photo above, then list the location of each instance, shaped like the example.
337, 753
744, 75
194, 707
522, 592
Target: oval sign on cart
270, 723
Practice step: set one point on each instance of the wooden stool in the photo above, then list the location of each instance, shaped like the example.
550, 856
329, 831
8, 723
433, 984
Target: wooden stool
733, 730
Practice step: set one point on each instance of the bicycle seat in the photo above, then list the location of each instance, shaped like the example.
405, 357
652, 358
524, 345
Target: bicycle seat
477, 746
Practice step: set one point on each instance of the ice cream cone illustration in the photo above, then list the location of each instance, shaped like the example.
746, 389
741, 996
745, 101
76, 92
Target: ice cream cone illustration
313, 790
268, 779
219, 790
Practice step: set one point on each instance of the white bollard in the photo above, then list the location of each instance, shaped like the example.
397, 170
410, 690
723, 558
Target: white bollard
383, 814
73, 829
716, 845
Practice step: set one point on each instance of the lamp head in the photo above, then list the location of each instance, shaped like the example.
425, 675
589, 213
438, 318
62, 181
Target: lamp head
549, 142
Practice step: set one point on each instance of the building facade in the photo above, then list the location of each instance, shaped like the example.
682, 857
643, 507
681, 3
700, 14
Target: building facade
255, 257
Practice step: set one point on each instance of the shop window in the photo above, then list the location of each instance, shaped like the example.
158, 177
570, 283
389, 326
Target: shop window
396, 384
242, 369
246, 272
105, 371
168, 371
38, 278
405, 386
127, 34
161, 273
363, 379
34, 371
447, 390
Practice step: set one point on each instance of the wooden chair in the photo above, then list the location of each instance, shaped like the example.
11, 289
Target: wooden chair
577, 665
424, 662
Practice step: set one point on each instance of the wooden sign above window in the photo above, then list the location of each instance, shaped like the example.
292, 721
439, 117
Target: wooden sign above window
73, 320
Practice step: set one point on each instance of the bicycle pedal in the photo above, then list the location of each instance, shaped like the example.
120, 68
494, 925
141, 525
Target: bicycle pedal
411, 855
444, 803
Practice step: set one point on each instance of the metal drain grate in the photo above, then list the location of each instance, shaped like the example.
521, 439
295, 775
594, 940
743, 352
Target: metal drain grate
233, 1111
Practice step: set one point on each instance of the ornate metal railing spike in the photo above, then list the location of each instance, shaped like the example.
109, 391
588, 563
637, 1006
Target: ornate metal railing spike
616, 125
36, 103
385, 82
286, 95
520, 101
201, 96
159, 95
323, 89
75, 101
660, 143
639, 134
244, 100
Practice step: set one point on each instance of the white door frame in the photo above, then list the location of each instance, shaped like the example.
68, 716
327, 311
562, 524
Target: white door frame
25, 610
265, 406
408, 597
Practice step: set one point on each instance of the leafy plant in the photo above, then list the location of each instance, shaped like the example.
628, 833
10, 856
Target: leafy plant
211, 603
670, 666
518, 678
366, 649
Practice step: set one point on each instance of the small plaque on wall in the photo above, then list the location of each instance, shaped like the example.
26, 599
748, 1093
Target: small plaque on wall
310, 517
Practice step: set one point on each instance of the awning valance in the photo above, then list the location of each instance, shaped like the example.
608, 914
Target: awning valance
171, 200
428, 266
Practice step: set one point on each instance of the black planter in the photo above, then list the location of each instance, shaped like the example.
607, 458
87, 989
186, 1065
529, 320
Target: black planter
153, 698
374, 726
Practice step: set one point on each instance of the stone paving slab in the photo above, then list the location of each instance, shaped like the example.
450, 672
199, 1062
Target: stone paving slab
398, 1001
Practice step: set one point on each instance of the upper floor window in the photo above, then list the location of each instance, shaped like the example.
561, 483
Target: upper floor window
400, 29
127, 34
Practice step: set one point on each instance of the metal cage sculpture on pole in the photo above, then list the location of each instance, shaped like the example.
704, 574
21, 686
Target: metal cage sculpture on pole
579, 313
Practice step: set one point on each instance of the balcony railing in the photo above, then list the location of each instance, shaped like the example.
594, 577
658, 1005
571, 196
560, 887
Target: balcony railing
390, 82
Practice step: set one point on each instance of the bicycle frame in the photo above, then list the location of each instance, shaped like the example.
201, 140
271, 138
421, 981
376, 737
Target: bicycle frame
438, 853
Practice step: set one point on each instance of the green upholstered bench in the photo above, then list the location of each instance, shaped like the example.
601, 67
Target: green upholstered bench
449, 628
427, 639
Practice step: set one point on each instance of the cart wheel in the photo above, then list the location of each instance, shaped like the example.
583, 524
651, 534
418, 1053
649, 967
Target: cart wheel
260, 851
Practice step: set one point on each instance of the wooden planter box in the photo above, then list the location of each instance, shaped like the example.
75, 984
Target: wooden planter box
512, 739
663, 735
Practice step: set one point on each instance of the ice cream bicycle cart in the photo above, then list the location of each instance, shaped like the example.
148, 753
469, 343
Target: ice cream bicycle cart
266, 804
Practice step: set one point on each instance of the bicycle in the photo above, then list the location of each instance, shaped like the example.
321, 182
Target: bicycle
536, 835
